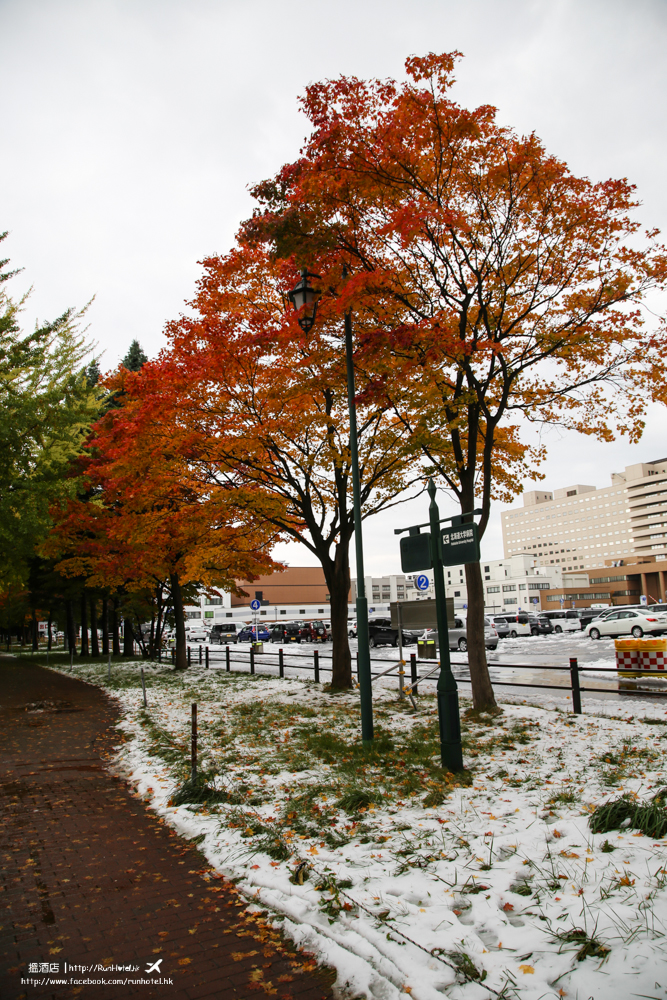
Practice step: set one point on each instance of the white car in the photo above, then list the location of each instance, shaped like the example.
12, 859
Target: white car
196, 633
634, 623
563, 621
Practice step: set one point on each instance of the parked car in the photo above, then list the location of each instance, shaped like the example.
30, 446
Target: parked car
286, 632
501, 626
382, 633
522, 623
252, 633
563, 621
196, 633
458, 636
634, 623
223, 634
352, 629
315, 631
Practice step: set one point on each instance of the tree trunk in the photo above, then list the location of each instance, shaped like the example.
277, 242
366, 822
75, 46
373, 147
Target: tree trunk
84, 625
71, 635
179, 619
128, 637
105, 626
94, 644
35, 632
114, 627
337, 576
482, 692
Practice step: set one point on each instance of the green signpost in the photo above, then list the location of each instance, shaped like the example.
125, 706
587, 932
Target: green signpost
432, 550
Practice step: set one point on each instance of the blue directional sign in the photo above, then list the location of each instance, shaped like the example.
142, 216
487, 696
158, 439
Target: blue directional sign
255, 605
422, 582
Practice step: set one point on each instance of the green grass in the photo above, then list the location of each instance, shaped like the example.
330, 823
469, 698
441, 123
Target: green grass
649, 818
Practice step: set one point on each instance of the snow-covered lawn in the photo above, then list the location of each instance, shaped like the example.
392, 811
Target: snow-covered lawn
405, 879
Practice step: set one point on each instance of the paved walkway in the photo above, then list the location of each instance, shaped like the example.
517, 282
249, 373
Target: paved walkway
91, 878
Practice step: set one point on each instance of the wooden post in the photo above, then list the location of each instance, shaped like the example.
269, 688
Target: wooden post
227, 659
413, 671
316, 666
194, 741
576, 691
189, 657
143, 687
200, 653
281, 665
207, 657
252, 660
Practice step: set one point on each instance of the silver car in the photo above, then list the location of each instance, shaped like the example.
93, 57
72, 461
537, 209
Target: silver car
458, 636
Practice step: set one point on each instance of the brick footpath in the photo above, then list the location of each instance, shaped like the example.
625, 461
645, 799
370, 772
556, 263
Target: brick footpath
90, 877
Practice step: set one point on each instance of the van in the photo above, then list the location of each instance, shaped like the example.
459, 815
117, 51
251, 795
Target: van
563, 621
222, 634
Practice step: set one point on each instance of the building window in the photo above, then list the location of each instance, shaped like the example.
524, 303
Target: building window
522, 586
508, 588
509, 600
457, 593
493, 590
192, 614
283, 612
229, 614
302, 611
213, 600
259, 595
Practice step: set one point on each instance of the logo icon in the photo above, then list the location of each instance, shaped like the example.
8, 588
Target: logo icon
155, 967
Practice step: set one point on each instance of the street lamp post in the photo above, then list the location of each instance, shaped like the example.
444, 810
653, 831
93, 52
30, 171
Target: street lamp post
304, 299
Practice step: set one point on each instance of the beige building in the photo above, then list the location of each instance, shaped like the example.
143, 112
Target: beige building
582, 527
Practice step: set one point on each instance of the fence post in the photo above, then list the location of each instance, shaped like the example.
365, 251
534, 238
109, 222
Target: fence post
252, 660
357, 662
194, 741
143, 687
173, 656
316, 666
576, 690
207, 657
227, 663
200, 653
189, 657
281, 665
413, 671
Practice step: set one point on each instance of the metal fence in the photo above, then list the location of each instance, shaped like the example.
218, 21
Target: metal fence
249, 660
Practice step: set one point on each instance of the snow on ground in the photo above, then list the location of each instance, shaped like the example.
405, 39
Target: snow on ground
413, 882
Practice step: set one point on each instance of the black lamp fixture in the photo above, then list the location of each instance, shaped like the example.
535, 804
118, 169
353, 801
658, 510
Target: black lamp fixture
304, 298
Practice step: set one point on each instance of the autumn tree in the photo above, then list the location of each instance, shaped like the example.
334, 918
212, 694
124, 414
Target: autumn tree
148, 520
263, 405
493, 285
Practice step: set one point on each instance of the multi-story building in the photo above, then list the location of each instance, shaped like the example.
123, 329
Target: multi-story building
581, 527
512, 584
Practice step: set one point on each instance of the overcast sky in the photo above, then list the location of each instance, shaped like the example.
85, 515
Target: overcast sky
132, 130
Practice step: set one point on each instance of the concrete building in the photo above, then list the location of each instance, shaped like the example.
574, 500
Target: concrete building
581, 527
295, 585
297, 592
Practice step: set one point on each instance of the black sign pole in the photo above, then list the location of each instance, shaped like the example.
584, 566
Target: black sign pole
451, 753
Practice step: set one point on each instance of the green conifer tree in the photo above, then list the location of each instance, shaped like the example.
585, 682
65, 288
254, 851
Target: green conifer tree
135, 358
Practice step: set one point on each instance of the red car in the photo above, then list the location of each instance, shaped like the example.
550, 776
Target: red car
313, 631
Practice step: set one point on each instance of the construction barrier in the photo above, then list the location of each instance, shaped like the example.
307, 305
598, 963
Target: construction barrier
640, 654
653, 654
